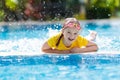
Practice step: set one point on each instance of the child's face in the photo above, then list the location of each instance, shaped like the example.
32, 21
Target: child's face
70, 34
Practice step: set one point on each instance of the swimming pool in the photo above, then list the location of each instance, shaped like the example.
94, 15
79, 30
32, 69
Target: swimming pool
21, 58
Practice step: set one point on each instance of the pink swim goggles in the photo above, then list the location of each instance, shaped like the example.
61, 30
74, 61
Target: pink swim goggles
72, 24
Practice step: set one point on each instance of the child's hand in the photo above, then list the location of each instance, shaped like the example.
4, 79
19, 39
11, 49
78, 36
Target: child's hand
65, 51
75, 50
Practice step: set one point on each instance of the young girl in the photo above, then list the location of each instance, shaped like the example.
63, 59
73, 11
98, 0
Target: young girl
69, 40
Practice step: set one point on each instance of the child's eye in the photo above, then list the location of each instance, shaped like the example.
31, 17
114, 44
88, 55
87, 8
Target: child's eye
75, 33
68, 32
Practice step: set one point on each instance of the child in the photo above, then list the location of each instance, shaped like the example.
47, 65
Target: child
69, 40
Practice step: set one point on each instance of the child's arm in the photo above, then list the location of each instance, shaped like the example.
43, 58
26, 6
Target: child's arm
47, 49
91, 47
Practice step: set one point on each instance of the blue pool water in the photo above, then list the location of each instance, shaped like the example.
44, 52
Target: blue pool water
22, 59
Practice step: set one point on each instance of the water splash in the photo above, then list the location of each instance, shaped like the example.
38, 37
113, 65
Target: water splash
20, 39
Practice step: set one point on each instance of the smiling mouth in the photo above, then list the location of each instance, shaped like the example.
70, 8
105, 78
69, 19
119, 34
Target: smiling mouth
70, 39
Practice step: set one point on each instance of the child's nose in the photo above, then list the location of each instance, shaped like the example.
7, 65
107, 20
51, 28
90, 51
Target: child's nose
72, 36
